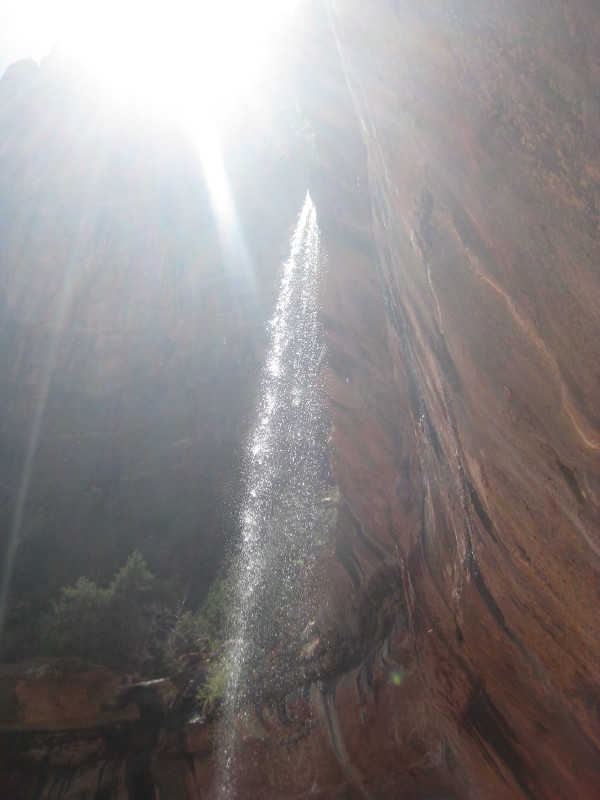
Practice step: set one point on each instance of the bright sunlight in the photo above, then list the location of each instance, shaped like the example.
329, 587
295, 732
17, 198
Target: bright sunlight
167, 54
180, 59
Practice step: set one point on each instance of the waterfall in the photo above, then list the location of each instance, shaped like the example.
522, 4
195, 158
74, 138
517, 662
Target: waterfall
282, 515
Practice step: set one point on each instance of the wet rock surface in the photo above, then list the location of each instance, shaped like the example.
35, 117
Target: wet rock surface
483, 181
465, 441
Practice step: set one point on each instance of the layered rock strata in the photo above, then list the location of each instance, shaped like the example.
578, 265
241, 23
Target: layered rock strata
466, 434
480, 126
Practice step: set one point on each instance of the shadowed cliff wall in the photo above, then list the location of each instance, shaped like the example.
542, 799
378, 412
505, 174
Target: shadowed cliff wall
132, 323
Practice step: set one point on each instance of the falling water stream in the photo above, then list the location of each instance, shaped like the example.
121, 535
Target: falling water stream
282, 515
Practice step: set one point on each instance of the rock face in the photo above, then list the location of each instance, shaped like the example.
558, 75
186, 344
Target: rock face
480, 126
455, 628
69, 729
465, 395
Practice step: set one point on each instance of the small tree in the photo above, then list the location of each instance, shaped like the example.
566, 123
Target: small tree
127, 594
107, 625
133, 580
78, 624
129, 625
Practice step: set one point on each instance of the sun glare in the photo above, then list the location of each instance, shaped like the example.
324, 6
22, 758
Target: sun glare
168, 54
178, 58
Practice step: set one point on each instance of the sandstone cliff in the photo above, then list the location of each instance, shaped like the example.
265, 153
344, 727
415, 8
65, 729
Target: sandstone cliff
454, 647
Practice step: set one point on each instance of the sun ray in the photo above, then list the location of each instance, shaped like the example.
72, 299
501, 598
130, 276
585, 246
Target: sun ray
177, 58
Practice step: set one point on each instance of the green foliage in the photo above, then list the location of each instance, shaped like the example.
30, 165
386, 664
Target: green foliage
133, 580
79, 620
110, 625
211, 692
214, 612
185, 636
133, 624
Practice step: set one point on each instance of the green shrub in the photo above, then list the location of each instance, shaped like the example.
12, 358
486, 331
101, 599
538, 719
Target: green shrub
210, 694
213, 613
114, 625
124, 626
79, 624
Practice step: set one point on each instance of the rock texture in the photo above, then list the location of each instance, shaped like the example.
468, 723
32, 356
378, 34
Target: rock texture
480, 125
454, 649
466, 433
69, 729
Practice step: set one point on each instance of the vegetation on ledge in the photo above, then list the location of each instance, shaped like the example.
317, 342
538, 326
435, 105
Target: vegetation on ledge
136, 624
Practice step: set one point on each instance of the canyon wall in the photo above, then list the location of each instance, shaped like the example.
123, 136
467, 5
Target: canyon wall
456, 617
481, 126
453, 646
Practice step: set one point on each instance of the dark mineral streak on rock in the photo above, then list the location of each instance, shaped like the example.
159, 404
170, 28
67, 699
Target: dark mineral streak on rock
486, 723
466, 112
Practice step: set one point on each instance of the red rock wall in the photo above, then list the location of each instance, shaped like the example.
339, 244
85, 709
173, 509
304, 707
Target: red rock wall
481, 127
463, 377
455, 627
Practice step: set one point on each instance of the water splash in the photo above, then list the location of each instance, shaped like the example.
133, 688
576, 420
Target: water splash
282, 517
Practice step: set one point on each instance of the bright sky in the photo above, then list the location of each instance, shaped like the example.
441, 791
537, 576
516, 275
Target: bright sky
166, 52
